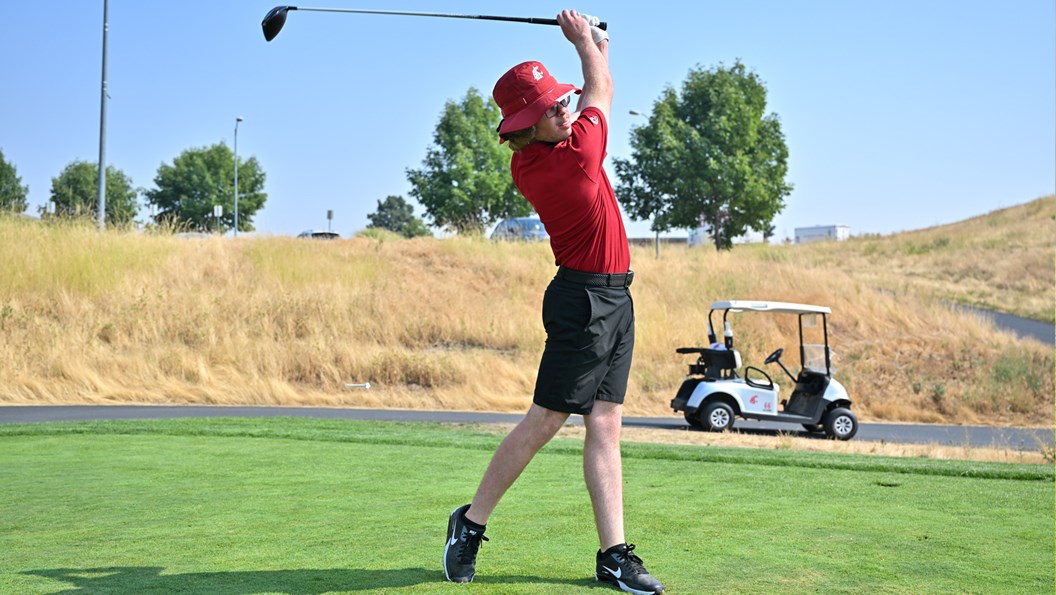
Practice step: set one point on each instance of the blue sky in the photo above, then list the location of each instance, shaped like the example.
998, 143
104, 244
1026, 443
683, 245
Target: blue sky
898, 114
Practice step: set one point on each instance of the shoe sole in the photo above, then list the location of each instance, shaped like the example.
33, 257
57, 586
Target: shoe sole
623, 586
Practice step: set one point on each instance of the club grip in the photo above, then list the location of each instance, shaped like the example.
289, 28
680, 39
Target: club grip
602, 25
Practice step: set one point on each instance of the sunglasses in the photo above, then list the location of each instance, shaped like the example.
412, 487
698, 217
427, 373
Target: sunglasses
553, 109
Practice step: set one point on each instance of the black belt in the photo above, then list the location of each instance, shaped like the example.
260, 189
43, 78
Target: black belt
596, 279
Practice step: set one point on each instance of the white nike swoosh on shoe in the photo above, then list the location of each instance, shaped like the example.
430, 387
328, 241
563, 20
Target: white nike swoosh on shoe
447, 575
616, 573
453, 540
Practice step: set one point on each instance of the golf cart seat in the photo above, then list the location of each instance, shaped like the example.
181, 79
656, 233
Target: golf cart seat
714, 364
810, 386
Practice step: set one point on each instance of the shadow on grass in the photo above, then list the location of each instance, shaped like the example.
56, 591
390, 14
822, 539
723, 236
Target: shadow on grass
768, 432
149, 579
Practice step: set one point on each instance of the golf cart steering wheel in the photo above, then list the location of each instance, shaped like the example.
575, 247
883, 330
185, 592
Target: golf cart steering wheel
775, 356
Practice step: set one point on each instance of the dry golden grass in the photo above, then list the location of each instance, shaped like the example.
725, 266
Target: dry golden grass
455, 324
1004, 260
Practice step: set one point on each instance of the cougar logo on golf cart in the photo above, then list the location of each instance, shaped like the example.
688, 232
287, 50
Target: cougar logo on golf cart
536, 74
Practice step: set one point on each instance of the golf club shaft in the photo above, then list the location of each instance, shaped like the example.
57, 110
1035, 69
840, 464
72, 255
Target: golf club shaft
532, 20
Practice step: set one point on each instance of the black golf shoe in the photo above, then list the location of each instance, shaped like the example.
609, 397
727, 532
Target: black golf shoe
460, 548
621, 567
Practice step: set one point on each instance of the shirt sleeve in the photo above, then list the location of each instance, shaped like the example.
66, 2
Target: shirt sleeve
590, 135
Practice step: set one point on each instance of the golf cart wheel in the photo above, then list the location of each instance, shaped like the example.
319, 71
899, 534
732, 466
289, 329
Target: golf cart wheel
814, 428
693, 420
717, 417
841, 424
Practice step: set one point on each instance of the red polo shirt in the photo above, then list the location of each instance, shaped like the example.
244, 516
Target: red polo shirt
572, 195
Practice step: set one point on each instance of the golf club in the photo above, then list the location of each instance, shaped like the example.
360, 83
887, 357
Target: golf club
276, 17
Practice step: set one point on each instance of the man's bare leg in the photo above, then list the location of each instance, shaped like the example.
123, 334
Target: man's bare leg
512, 456
603, 471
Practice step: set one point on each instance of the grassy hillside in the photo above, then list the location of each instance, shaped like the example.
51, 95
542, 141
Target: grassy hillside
455, 324
1004, 260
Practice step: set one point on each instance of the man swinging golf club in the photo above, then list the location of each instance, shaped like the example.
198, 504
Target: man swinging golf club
587, 309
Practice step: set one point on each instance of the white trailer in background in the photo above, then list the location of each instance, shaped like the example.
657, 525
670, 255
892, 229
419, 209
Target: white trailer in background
837, 233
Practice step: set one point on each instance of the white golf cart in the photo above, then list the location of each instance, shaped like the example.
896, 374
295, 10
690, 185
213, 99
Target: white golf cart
714, 393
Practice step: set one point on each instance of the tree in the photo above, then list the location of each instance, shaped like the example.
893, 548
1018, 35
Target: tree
75, 193
465, 183
709, 156
202, 178
768, 232
12, 192
395, 214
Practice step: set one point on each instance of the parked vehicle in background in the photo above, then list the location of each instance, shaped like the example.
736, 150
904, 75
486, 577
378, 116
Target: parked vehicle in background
715, 393
839, 233
319, 235
528, 229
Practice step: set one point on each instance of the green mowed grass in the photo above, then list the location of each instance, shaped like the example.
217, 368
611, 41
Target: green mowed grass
298, 506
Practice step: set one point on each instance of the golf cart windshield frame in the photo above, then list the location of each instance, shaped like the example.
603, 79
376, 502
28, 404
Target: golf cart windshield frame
800, 310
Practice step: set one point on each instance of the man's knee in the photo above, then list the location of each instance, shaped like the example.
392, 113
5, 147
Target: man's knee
541, 424
604, 419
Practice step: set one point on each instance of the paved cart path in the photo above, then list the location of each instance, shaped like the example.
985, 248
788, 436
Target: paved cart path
1024, 328
974, 436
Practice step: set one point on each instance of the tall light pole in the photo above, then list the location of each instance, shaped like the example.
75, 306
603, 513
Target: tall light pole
638, 113
102, 129
237, 120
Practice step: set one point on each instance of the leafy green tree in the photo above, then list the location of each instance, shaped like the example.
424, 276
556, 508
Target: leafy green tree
396, 214
75, 193
709, 155
202, 178
12, 192
465, 183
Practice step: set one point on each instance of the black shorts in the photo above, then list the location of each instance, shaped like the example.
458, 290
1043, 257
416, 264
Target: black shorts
589, 344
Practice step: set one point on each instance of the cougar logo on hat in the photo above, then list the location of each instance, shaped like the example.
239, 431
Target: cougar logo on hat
524, 93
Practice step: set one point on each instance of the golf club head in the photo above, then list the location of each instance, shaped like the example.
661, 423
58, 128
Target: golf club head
274, 20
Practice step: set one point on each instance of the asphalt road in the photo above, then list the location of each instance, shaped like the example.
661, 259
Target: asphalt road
1024, 328
1027, 439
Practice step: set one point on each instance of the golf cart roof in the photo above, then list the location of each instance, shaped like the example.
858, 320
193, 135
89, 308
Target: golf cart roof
778, 307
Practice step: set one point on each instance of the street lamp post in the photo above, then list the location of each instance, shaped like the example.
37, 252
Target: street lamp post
237, 120
102, 130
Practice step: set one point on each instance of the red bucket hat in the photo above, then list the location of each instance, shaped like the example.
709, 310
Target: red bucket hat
524, 93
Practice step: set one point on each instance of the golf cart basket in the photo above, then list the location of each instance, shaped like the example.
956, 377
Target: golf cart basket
714, 364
